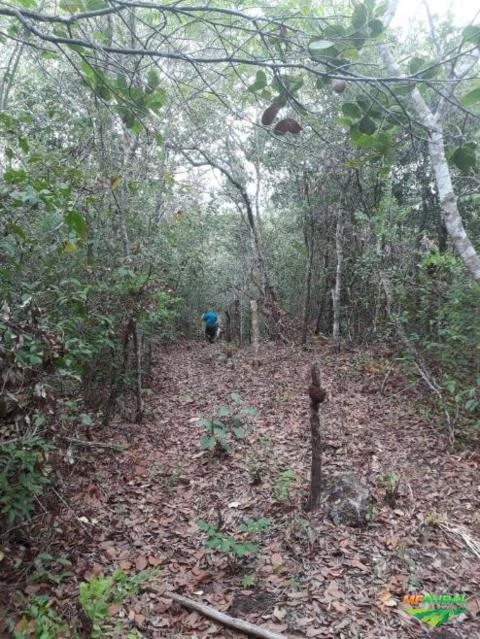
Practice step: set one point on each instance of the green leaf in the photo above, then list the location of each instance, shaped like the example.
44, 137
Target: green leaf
103, 91
375, 27
86, 420
367, 126
293, 82
206, 442
25, 4
78, 48
94, 5
320, 45
23, 144
223, 411
403, 88
360, 16
153, 79
464, 157
238, 432
321, 83
344, 122
353, 164
260, 82
128, 117
471, 98
236, 398
333, 31
156, 100
69, 248
17, 230
280, 100
248, 581
121, 83
76, 222
431, 72
203, 525
218, 427
50, 55
416, 63
351, 110
471, 34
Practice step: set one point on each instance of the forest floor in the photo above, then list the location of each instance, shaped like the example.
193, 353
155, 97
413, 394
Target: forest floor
139, 509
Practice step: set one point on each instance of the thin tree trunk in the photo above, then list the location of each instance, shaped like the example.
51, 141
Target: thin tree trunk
308, 294
336, 292
309, 236
137, 344
255, 330
236, 332
9, 75
436, 147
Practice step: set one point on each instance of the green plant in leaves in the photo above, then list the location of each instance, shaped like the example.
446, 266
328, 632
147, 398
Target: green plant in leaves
40, 620
391, 482
229, 544
248, 581
98, 593
49, 568
22, 478
219, 428
283, 485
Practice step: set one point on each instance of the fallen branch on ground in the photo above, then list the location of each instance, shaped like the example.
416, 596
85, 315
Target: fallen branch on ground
208, 611
460, 533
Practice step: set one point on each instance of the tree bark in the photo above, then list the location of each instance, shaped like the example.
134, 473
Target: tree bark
255, 330
317, 396
336, 293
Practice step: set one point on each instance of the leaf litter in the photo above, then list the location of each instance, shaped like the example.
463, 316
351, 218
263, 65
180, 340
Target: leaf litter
140, 509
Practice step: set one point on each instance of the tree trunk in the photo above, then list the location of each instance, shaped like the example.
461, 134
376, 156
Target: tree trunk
137, 344
436, 147
255, 330
309, 236
336, 292
236, 330
317, 396
228, 327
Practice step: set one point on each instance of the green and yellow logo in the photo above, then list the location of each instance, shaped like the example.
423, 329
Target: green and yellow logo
435, 610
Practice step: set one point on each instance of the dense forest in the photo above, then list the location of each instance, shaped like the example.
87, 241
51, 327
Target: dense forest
309, 171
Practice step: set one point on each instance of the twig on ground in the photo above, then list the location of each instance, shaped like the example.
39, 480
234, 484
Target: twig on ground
208, 611
458, 533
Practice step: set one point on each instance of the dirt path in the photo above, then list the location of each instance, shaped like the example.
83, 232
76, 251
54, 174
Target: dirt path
311, 578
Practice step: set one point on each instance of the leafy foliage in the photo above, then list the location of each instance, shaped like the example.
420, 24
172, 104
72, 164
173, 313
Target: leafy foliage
229, 544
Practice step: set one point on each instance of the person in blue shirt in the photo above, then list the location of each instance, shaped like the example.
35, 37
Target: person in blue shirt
211, 324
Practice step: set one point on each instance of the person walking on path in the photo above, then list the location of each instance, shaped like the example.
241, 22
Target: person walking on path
211, 324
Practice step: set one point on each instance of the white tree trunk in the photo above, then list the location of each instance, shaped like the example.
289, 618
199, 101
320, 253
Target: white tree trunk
338, 278
446, 195
255, 329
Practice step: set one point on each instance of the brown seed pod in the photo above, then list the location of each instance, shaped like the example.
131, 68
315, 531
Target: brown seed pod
339, 86
288, 125
270, 114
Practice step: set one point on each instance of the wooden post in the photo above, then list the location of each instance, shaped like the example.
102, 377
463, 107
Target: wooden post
317, 396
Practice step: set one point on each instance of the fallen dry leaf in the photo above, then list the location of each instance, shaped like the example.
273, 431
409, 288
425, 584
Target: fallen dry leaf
141, 563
